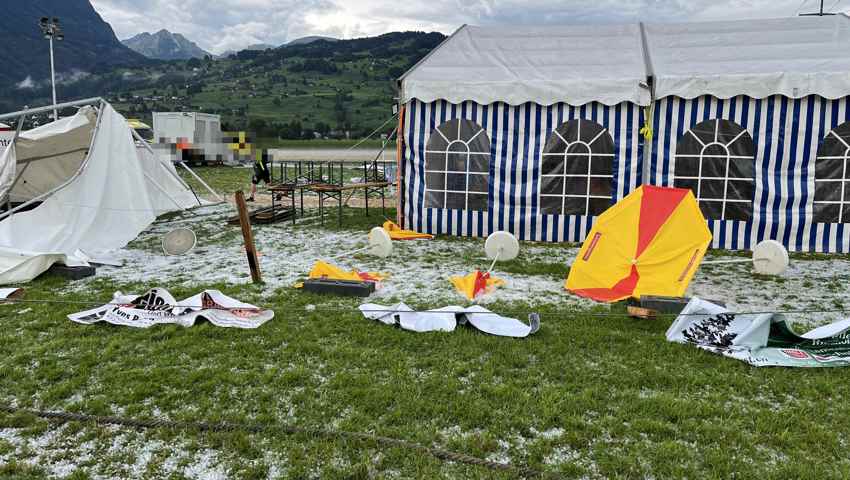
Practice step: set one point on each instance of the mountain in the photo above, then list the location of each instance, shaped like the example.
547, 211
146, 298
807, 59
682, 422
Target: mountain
257, 47
89, 46
164, 45
291, 92
309, 39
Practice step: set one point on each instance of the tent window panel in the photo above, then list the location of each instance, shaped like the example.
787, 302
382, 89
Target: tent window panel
687, 183
578, 164
715, 159
714, 167
551, 205
575, 206
552, 185
832, 177
711, 209
434, 199
599, 205
737, 211
575, 186
477, 201
457, 164
435, 160
830, 168
827, 191
479, 163
740, 190
602, 166
456, 200
687, 167
826, 212
456, 182
712, 189
478, 183
600, 187
435, 179
553, 163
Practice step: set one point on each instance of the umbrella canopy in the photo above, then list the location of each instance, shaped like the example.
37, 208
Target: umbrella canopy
649, 243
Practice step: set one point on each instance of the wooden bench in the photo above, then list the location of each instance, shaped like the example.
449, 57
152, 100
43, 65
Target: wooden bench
328, 190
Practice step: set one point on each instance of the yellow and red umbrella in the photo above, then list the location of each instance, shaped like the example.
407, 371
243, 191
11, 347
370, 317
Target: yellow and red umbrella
649, 243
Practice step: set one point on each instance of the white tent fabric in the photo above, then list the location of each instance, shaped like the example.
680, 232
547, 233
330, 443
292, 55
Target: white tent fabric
7, 169
794, 57
54, 151
118, 192
545, 65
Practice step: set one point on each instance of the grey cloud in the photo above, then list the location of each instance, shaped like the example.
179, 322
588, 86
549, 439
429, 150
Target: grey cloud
217, 25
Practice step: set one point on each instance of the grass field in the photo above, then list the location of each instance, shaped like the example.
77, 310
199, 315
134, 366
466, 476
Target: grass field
594, 394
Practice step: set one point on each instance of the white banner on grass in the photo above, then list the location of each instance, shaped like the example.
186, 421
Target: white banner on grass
158, 306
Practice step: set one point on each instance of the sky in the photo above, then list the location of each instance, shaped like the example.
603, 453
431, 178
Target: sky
219, 25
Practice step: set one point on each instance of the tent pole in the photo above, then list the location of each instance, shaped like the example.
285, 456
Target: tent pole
163, 165
164, 192
18, 129
202, 182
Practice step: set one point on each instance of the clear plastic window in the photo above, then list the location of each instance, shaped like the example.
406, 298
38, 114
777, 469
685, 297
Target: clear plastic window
577, 170
715, 159
457, 166
832, 177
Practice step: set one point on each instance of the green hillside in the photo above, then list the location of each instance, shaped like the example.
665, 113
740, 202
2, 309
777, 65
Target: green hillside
289, 92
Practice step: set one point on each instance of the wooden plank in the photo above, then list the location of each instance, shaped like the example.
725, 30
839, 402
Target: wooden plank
640, 312
248, 236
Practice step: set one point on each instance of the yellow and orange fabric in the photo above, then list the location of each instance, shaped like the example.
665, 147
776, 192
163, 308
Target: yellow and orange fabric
650, 243
476, 283
323, 269
397, 233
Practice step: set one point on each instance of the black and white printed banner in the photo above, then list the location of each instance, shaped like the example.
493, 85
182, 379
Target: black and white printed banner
158, 306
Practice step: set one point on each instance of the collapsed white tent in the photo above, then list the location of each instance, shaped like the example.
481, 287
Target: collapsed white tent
98, 190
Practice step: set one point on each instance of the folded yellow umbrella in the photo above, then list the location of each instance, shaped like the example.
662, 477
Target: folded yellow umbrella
323, 269
476, 283
650, 243
397, 233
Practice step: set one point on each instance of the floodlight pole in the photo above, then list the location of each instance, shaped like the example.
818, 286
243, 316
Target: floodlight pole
50, 29
53, 80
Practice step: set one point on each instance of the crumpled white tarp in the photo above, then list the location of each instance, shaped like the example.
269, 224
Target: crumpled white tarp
446, 319
119, 192
158, 306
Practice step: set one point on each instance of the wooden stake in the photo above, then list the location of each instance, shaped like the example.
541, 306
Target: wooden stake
248, 235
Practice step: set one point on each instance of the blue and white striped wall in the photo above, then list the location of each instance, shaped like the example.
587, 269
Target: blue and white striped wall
786, 134
517, 135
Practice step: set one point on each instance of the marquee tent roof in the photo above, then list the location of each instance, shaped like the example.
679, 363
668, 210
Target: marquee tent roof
574, 64
795, 57
577, 64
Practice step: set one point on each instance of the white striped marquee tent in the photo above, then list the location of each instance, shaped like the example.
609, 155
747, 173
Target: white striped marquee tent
536, 130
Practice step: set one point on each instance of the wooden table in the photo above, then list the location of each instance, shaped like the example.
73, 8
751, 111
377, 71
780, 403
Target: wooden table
327, 190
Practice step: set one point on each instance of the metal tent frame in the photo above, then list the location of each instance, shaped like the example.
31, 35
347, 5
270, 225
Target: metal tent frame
98, 103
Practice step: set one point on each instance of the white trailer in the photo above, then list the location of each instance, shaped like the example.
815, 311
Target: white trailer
199, 133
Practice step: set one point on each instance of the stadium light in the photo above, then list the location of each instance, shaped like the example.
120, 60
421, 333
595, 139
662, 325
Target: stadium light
51, 30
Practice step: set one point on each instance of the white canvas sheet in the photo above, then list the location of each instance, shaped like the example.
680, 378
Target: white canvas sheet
446, 319
119, 192
516, 64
